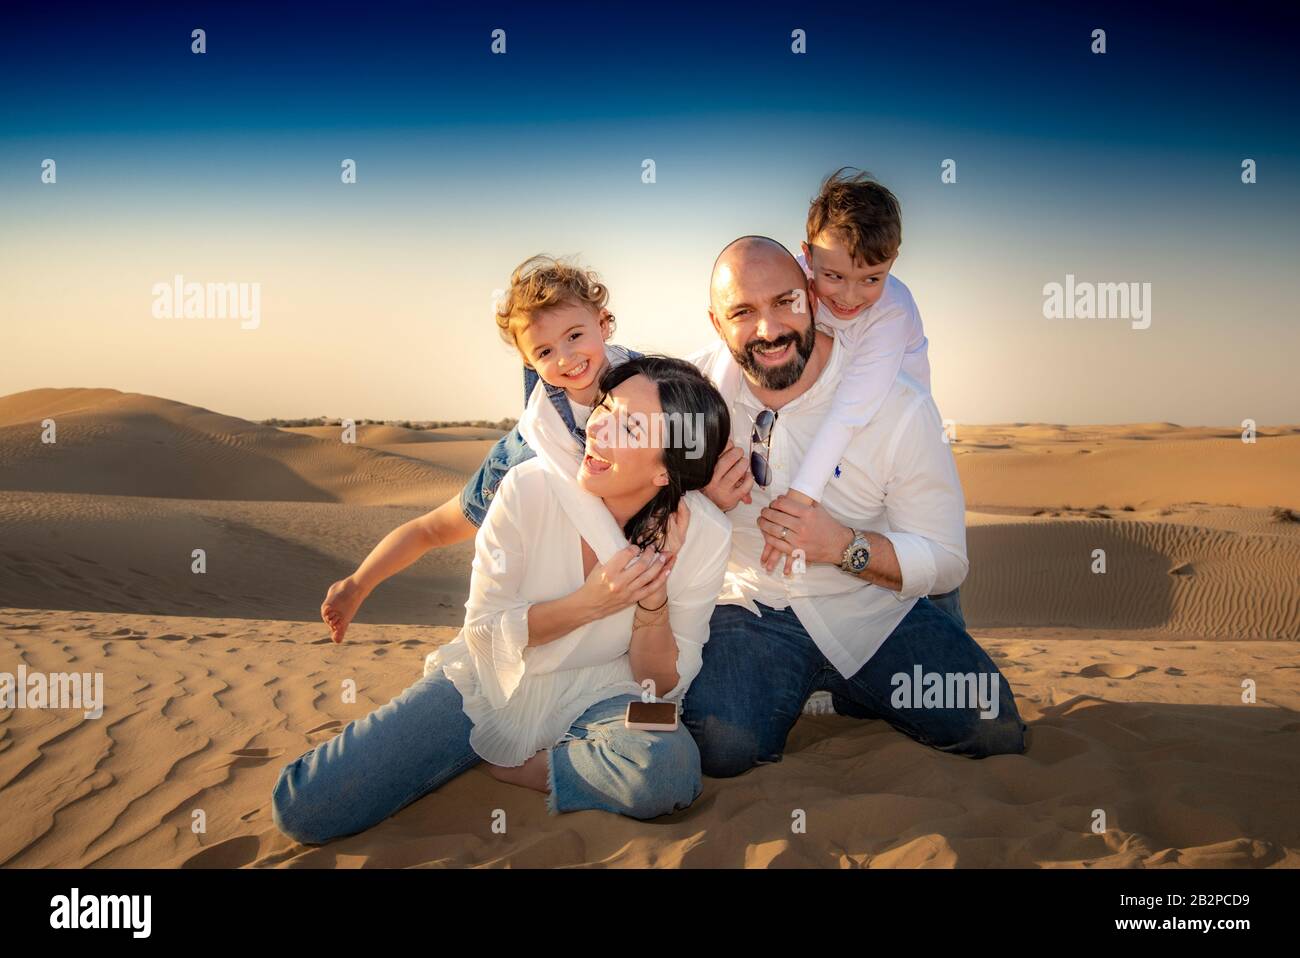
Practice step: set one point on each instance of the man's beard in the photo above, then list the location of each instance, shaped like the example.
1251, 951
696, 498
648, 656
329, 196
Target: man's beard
778, 377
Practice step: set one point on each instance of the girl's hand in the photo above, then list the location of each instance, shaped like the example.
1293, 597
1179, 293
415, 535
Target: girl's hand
674, 539
341, 603
630, 576
677, 524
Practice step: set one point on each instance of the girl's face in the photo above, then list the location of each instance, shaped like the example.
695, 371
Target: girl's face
624, 453
566, 345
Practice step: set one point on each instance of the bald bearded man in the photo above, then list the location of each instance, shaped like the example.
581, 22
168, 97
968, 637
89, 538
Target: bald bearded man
845, 610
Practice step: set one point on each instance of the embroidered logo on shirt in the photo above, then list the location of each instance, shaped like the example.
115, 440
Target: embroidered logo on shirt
837, 471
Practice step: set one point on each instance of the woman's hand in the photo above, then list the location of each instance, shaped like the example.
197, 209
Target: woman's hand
341, 603
616, 584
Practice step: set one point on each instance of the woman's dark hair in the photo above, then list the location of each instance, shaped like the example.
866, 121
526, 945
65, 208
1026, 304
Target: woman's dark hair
696, 427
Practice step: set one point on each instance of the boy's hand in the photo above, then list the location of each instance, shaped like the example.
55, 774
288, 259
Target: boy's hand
788, 527
341, 603
732, 479
771, 556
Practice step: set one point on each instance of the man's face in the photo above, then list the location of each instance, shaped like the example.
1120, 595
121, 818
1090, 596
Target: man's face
760, 308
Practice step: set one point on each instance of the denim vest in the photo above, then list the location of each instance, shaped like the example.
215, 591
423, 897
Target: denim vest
510, 449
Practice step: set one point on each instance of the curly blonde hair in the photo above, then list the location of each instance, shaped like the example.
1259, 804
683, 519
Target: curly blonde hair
542, 282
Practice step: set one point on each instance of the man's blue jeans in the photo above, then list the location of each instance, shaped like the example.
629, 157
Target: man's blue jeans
759, 671
420, 741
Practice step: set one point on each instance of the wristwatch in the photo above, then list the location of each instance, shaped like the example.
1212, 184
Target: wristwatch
857, 555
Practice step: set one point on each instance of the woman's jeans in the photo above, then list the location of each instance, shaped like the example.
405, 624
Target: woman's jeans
420, 740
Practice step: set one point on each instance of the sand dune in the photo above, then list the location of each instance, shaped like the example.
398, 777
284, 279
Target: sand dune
1131, 680
1181, 578
263, 559
1033, 467
112, 443
377, 435
201, 714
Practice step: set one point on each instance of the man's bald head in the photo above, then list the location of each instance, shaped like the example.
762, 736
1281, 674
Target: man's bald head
751, 253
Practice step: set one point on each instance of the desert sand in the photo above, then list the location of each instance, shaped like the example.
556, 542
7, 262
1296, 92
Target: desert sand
1131, 680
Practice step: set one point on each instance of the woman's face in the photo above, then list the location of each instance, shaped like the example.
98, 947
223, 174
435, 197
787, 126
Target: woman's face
624, 454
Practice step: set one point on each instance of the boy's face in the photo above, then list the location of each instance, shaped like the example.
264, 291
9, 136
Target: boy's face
566, 345
845, 285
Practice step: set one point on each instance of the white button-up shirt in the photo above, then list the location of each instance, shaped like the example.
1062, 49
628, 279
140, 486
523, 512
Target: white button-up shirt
898, 478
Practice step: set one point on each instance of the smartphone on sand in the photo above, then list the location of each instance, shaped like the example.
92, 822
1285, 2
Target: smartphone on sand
652, 716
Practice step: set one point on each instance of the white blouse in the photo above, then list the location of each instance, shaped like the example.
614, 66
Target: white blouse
523, 699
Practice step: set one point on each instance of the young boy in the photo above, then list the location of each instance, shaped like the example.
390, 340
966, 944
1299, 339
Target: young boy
555, 315
854, 231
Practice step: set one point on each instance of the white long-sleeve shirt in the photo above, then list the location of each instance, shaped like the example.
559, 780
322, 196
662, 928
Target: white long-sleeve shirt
523, 699
881, 341
897, 477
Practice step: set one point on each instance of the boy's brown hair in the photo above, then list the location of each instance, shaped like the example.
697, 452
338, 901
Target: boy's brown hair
541, 282
861, 211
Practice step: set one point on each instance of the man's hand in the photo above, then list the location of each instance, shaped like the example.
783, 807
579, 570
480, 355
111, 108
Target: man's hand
808, 528
732, 479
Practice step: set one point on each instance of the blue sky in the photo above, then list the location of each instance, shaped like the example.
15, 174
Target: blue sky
1116, 167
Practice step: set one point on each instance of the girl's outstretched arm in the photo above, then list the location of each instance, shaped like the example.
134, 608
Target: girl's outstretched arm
440, 527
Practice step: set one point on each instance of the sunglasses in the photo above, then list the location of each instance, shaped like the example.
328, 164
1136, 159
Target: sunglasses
761, 447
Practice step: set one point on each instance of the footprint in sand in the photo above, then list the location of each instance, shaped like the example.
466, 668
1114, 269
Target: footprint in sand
231, 853
1108, 670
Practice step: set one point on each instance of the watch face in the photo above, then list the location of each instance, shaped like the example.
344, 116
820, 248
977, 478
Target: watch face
858, 558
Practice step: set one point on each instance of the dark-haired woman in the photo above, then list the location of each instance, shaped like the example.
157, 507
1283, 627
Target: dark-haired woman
565, 625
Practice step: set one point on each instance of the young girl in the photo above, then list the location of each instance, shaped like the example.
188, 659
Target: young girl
555, 315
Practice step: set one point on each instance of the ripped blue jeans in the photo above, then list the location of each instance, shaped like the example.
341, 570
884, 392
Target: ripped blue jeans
419, 741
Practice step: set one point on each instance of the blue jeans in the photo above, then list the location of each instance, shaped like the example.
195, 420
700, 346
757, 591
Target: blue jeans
508, 451
420, 740
950, 602
759, 671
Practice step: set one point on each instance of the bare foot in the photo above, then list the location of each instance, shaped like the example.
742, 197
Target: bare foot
341, 603
532, 774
